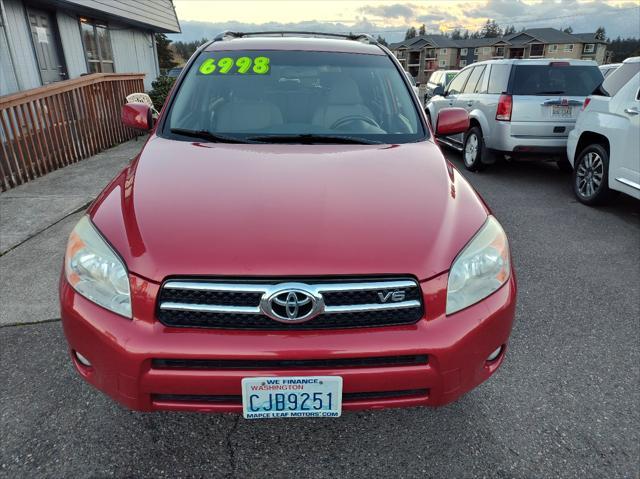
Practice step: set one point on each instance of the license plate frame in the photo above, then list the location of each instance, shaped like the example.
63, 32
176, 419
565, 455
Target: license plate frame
273, 397
561, 111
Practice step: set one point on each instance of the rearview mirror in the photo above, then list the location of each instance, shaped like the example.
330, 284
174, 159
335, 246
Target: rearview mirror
452, 121
438, 91
136, 115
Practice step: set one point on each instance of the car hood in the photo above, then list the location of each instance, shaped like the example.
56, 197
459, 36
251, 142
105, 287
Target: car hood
189, 208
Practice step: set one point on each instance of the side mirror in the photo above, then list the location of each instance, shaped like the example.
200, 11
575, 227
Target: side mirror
452, 121
137, 116
438, 91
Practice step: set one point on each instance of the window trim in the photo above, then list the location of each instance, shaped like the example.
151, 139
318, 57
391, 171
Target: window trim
443, 51
497, 54
567, 49
553, 48
464, 52
463, 63
591, 50
95, 23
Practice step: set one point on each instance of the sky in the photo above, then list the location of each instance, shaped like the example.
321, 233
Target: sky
391, 18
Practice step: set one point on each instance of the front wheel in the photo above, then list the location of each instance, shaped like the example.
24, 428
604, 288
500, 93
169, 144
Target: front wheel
591, 176
473, 149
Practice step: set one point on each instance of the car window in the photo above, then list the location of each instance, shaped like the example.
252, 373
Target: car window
473, 79
498, 78
557, 78
435, 77
263, 94
619, 78
449, 77
457, 84
481, 86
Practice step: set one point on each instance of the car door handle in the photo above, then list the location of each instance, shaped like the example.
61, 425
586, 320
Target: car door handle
632, 111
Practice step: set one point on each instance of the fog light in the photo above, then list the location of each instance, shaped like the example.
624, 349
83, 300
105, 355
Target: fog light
82, 360
495, 354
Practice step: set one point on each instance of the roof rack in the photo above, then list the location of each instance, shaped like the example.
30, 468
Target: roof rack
360, 37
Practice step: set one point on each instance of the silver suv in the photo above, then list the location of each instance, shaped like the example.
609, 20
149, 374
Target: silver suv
517, 107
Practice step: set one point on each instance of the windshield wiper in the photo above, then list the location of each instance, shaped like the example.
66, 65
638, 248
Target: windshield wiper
551, 92
210, 136
310, 139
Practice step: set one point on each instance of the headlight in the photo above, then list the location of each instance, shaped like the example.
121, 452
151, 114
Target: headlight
95, 270
480, 268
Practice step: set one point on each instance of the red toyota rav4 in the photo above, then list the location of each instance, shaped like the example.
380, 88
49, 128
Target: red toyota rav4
290, 242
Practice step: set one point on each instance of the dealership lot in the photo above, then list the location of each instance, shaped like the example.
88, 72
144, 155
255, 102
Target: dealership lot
566, 402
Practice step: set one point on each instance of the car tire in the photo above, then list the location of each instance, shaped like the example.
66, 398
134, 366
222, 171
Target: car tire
591, 175
564, 165
474, 149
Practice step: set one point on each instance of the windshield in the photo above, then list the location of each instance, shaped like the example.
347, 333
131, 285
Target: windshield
574, 80
271, 96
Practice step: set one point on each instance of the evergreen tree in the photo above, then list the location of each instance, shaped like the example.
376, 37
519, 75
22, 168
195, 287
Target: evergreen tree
466, 35
509, 30
456, 34
568, 30
382, 41
600, 33
165, 55
423, 30
411, 33
491, 29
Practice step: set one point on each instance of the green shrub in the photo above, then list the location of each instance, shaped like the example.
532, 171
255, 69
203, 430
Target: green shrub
160, 90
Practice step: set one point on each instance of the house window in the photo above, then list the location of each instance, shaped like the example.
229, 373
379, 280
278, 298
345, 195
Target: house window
589, 48
442, 63
463, 52
475, 51
443, 51
486, 50
537, 50
463, 63
568, 47
553, 48
499, 51
97, 46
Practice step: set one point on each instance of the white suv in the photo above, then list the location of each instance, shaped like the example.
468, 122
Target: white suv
517, 107
604, 146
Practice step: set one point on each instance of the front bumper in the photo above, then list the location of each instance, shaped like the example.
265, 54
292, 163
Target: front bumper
121, 352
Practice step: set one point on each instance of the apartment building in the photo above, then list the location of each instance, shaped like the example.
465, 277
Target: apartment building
421, 55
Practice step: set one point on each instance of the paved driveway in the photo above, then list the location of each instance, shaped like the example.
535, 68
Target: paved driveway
566, 402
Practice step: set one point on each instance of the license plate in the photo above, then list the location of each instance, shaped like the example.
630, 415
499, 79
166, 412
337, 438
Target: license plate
561, 111
303, 396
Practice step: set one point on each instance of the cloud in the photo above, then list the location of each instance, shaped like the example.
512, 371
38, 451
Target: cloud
397, 10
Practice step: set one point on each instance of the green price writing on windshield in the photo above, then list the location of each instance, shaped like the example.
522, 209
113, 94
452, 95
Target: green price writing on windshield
235, 66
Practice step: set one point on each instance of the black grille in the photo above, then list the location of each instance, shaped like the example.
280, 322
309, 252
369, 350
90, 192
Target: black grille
197, 319
340, 298
382, 361
344, 297
346, 397
227, 298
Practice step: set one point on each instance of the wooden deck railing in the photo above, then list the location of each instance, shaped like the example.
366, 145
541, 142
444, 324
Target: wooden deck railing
46, 128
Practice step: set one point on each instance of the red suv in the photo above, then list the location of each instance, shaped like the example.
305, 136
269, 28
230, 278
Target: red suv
289, 242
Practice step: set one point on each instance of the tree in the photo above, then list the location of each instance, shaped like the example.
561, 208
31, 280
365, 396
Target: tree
466, 35
411, 33
509, 30
165, 56
491, 29
423, 30
456, 34
600, 33
568, 30
382, 41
